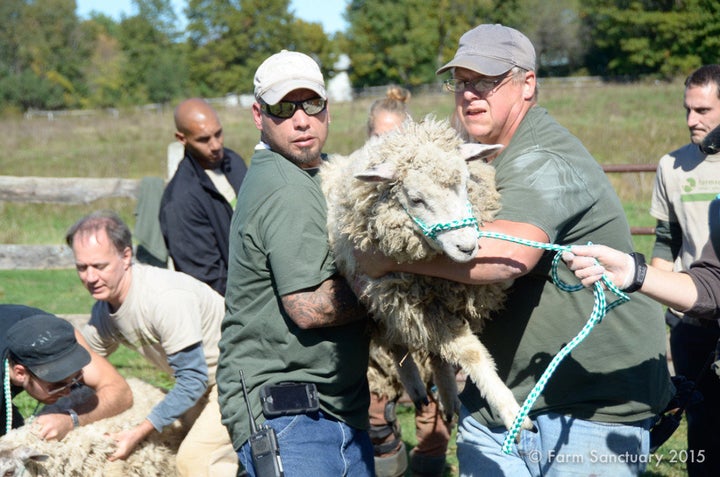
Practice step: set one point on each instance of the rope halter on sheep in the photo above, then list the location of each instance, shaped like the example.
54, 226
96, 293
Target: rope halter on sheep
600, 309
432, 231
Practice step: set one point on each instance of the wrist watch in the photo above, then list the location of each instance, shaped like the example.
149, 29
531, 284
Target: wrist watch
74, 417
640, 272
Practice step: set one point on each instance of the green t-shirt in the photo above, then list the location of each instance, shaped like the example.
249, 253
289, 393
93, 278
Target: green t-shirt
619, 372
279, 245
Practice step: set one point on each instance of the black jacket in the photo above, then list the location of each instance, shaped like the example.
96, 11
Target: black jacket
195, 219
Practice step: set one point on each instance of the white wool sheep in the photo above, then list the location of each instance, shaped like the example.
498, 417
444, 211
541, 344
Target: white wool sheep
83, 452
377, 197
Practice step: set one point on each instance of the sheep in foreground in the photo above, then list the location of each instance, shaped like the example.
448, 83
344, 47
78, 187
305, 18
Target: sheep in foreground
379, 198
83, 452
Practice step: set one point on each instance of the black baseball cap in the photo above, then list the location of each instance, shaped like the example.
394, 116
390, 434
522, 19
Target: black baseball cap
46, 345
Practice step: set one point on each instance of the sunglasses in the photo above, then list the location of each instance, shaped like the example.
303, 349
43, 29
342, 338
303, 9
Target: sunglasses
286, 109
60, 386
481, 85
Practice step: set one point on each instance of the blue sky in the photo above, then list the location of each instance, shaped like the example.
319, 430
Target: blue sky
327, 12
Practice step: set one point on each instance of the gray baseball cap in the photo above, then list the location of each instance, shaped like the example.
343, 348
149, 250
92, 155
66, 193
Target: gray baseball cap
492, 50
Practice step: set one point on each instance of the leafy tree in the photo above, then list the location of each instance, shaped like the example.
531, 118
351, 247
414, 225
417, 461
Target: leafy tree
228, 39
154, 69
553, 27
664, 38
104, 71
406, 41
43, 49
11, 36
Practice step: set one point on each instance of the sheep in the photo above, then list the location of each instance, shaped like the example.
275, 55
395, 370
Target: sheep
379, 198
83, 452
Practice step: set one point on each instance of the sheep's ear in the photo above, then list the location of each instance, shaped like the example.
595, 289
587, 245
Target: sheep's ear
26, 454
473, 151
381, 173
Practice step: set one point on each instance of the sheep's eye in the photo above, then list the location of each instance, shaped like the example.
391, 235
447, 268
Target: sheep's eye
416, 200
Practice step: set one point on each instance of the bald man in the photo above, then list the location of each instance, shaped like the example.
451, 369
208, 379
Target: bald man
198, 202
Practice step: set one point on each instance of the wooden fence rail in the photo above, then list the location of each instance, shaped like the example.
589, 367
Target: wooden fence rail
80, 190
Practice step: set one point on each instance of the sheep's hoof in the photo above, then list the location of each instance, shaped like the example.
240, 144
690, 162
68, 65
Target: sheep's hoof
421, 402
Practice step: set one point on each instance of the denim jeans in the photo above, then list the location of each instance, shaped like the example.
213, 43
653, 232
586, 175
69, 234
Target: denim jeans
318, 445
562, 446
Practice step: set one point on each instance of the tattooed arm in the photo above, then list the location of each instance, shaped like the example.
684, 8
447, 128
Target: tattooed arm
332, 303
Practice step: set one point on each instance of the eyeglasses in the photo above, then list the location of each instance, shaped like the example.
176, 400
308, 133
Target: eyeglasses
482, 86
286, 109
72, 383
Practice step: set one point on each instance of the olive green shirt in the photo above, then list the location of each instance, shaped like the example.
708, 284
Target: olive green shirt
619, 372
279, 245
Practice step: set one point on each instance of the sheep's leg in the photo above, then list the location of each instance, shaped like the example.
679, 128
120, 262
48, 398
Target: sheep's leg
467, 351
409, 375
444, 376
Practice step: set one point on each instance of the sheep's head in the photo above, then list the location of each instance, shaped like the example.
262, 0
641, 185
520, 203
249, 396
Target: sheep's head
14, 462
422, 169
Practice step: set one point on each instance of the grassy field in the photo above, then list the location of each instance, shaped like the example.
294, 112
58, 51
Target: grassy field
619, 123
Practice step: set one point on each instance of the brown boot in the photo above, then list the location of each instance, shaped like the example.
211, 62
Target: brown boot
393, 465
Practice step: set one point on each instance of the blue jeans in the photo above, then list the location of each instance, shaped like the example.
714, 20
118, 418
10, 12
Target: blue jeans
562, 446
318, 445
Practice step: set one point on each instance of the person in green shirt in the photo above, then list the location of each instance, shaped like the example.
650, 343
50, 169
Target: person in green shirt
290, 317
594, 414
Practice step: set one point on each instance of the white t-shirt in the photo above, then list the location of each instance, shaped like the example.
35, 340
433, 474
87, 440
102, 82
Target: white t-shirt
164, 312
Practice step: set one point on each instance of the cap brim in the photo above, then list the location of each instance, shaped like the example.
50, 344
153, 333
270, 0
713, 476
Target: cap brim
63, 367
276, 93
484, 66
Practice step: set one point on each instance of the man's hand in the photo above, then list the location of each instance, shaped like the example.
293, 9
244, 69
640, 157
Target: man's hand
128, 440
53, 426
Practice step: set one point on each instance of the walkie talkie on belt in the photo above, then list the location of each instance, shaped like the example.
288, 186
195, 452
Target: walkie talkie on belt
263, 444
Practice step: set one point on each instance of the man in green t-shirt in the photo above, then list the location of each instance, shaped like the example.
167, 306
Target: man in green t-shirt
594, 414
289, 316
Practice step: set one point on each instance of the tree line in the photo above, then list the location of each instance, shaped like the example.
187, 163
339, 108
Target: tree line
52, 59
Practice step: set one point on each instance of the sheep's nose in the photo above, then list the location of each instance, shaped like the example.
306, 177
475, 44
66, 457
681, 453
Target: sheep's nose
466, 249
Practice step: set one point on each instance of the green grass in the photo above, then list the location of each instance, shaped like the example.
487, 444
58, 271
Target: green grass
618, 123
56, 291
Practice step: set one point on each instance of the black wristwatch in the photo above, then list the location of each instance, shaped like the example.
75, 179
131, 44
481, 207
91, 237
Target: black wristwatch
640, 272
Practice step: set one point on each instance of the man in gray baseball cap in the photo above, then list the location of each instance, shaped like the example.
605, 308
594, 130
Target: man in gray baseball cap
553, 191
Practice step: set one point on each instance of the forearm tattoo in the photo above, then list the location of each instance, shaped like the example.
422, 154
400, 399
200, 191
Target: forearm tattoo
332, 303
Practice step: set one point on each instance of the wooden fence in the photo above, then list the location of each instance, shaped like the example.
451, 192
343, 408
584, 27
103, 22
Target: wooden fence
73, 190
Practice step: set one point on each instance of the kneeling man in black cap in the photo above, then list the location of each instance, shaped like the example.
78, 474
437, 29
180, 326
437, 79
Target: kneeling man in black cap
44, 355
